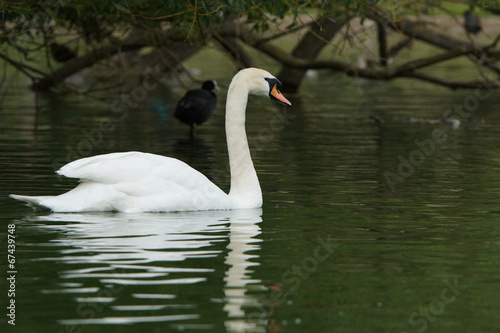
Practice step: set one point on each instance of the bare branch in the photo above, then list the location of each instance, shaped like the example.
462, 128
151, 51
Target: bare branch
24, 68
395, 49
231, 45
474, 84
428, 61
134, 42
382, 44
80, 63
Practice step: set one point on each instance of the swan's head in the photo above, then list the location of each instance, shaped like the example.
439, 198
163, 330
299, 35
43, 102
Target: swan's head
262, 83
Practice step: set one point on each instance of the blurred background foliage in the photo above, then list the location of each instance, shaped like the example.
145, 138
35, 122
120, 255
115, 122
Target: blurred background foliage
50, 40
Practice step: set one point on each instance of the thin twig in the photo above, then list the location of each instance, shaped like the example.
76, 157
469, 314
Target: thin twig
22, 67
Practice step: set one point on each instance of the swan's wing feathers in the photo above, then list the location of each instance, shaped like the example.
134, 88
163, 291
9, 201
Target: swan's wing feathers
108, 168
139, 182
137, 173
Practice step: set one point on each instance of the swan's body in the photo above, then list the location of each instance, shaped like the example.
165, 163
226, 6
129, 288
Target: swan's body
142, 182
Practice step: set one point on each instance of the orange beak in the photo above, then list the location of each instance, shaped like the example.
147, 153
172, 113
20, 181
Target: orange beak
279, 97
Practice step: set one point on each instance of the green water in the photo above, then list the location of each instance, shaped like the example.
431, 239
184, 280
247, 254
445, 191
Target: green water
364, 228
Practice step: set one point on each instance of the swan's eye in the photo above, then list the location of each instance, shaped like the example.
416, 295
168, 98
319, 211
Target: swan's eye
272, 81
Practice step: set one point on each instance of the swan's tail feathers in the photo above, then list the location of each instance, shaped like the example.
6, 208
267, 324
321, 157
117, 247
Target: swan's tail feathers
32, 201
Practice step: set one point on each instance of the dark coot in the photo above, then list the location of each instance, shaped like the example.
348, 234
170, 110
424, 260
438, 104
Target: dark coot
197, 105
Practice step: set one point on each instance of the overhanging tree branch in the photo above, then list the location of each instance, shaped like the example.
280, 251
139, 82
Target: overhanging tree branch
231, 45
414, 29
320, 33
407, 70
302, 60
134, 42
80, 63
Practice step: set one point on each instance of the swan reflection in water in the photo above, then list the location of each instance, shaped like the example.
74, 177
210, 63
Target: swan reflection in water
135, 251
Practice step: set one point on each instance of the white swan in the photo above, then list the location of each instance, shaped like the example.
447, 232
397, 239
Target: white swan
142, 182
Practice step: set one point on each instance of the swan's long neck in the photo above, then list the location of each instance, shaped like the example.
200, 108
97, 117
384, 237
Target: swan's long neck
245, 187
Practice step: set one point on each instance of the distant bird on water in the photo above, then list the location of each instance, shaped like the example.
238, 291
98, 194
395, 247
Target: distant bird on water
61, 53
472, 23
197, 105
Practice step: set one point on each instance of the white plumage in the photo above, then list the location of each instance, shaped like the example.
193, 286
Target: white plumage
143, 182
